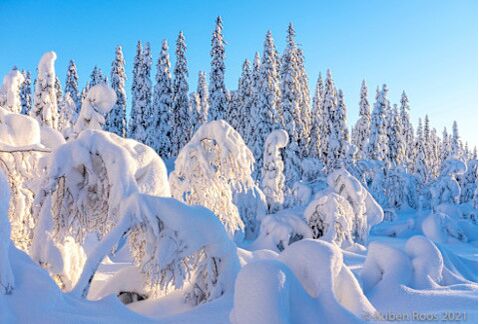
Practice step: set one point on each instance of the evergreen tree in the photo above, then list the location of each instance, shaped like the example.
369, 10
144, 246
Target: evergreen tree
195, 106
396, 148
455, 142
45, 108
141, 94
116, 119
160, 131
408, 132
71, 85
181, 132
445, 145
202, 91
329, 106
338, 135
291, 99
420, 167
255, 83
26, 93
378, 141
245, 98
266, 112
217, 92
469, 180
59, 91
315, 143
305, 106
362, 129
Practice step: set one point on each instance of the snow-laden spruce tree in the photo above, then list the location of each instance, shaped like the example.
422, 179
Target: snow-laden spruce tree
26, 93
378, 141
10, 91
272, 176
315, 142
421, 170
233, 115
250, 136
408, 132
71, 85
160, 129
140, 94
245, 100
456, 151
291, 100
116, 119
396, 146
67, 114
305, 107
265, 112
362, 129
329, 104
45, 108
181, 132
195, 106
7, 280
202, 90
210, 169
218, 96
338, 140
58, 90
469, 180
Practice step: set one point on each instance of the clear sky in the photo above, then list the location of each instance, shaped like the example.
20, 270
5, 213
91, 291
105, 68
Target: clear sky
426, 47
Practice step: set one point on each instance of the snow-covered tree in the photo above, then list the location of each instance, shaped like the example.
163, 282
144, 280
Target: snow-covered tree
10, 98
116, 119
245, 101
181, 132
317, 116
408, 132
272, 177
456, 151
202, 90
26, 93
378, 141
71, 84
328, 107
338, 134
362, 129
420, 167
218, 96
305, 106
141, 94
250, 136
160, 130
469, 180
265, 113
67, 114
210, 168
396, 143
195, 106
233, 115
59, 91
45, 108
291, 100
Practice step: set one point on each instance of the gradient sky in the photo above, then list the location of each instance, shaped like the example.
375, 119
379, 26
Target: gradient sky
426, 47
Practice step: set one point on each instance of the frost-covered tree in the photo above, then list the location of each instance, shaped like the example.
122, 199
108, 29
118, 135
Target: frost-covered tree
67, 114
328, 107
445, 145
469, 180
378, 141
45, 108
250, 136
456, 151
245, 101
10, 98
160, 130
420, 167
71, 84
218, 96
317, 119
141, 94
195, 106
265, 112
362, 129
59, 91
272, 177
233, 114
305, 106
408, 132
181, 132
291, 100
210, 168
338, 135
396, 143
116, 119
202, 90
26, 93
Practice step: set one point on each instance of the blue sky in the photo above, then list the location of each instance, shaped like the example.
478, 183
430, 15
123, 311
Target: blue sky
427, 47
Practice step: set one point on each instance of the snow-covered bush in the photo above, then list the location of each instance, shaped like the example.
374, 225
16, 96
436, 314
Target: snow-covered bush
367, 211
279, 230
210, 169
312, 169
440, 227
21, 153
330, 216
10, 92
98, 102
86, 180
272, 181
308, 283
7, 280
446, 188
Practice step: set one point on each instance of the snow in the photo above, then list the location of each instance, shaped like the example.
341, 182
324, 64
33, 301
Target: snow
9, 93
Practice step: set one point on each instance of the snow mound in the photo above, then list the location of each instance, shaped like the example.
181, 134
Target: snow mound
309, 281
18, 131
